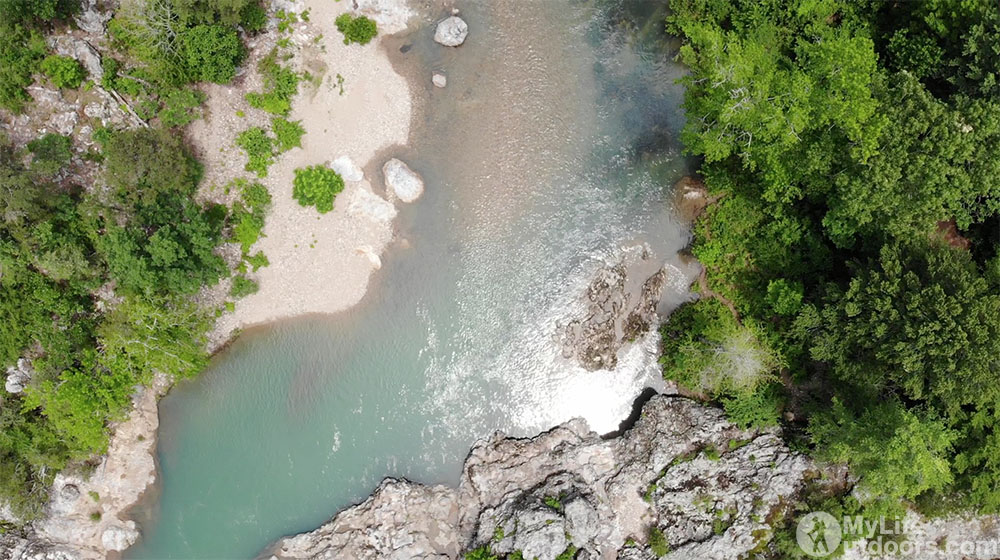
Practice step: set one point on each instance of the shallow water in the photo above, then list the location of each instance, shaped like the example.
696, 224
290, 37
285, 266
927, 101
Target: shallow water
553, 146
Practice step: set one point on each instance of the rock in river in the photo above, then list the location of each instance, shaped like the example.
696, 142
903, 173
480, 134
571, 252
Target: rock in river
407, 185
451, 32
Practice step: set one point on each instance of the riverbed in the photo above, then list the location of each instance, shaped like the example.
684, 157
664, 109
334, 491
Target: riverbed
553, 146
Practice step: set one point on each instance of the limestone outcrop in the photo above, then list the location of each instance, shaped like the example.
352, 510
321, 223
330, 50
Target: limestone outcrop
682, 468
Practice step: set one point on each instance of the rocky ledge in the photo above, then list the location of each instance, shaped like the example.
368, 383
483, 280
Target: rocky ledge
682, 469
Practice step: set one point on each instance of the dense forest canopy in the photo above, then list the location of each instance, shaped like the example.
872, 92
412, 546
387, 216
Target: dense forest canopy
854, 148
96, 280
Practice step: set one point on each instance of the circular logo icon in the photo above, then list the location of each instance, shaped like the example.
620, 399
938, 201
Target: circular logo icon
818, 534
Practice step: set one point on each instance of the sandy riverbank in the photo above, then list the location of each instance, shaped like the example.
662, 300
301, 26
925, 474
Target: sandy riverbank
318, 263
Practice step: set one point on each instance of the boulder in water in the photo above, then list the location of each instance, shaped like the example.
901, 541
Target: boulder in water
451, 32
407, 185
619, 307
366, 204
117, 538
439, 80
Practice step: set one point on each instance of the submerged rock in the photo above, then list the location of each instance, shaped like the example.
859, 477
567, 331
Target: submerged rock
451, 32
439, 80
620, 306
403, 181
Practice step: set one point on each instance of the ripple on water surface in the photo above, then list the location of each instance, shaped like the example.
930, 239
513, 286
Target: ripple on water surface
552, 147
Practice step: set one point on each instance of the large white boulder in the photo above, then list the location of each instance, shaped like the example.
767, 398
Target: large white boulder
366, 204
347, 169
451, 32
403, 181
117, 538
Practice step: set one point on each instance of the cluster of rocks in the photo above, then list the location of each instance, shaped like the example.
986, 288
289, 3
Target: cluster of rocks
450, 32
681, 468
681, 471
620, 306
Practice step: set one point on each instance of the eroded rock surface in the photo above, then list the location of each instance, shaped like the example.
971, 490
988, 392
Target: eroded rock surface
401, 520
620, 306
676, 469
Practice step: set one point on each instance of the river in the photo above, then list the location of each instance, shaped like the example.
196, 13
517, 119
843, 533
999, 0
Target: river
553, 146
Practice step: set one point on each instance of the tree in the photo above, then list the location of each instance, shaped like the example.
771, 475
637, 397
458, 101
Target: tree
898, 452
20, 52
51, 153
935, 162
211, 53
922, 319
225, 12
787, 96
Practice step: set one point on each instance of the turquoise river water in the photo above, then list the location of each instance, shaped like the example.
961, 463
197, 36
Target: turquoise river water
553, 146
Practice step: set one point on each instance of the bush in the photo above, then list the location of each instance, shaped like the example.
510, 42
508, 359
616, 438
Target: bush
280, 84
242, 287
258, 260
211, 53
180, 107
657, 542
288, 133
51, 152
64, 71
247, 218
358, 29
318, 186
20, 52
259, 149
253, 18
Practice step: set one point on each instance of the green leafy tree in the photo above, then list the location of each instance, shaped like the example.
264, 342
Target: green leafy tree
936, 162
899, 453
920, 318
211, 53
50, 153
20, 52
